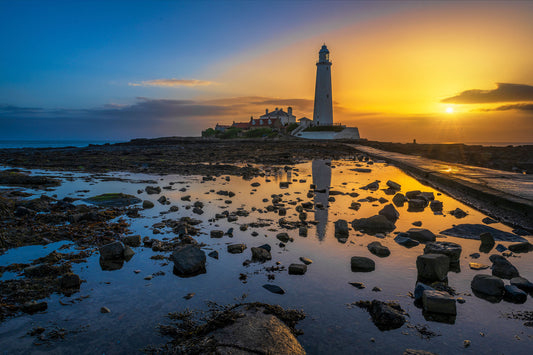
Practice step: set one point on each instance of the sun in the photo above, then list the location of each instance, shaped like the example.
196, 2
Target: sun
449, 109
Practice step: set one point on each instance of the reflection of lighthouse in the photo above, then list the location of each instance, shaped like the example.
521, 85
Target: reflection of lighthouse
322, 180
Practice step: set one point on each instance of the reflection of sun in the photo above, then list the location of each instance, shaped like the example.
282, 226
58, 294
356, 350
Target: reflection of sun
449, 109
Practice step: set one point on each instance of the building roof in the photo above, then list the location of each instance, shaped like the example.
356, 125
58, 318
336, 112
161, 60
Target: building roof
243, 125
304, 119
276, 113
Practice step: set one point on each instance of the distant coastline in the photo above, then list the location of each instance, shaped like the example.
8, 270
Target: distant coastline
27, 143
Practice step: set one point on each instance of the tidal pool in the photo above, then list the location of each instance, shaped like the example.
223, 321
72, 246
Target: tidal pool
333, 325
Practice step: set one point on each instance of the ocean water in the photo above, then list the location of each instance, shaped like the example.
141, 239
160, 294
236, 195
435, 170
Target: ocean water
51, 143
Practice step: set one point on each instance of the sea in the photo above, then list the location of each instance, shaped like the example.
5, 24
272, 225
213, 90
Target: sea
52, 143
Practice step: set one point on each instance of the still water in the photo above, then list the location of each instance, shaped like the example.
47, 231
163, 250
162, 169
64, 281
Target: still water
332, 326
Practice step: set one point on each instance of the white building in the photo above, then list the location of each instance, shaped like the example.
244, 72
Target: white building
323, 112
278, 114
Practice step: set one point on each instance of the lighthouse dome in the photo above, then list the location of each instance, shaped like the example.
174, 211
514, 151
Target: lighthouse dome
324, 49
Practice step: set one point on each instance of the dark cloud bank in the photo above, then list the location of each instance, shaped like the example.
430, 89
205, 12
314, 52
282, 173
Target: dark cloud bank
145, 118
503, 93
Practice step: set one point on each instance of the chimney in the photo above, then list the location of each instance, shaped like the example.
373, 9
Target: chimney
289, 110
266, 111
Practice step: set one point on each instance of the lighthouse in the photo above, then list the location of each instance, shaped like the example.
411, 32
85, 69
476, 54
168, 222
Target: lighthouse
323, 111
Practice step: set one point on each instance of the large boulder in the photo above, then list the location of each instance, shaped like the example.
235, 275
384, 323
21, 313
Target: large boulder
378, 249
374, 224
362, 264
260, 254
432, 267
189, 260
390, 213
487, 285
399, 199
438, 302
473, 231
451, 250
523, 284
341, 229
394, 185
501, 267
421, 234
112, 251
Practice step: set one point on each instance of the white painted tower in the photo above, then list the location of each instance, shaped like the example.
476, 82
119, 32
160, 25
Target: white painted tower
323, 112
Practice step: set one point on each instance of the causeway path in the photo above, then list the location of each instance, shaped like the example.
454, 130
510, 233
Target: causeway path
504, 195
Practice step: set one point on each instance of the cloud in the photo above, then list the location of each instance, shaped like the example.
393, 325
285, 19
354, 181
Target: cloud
519, 107
173, 83
503, 93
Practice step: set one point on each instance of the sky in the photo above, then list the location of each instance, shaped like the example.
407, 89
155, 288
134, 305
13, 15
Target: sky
434, 71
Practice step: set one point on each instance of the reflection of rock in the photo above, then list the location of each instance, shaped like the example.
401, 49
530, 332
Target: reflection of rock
321, 170
522, 283
439, 317
514, 294
473, 231
110, 265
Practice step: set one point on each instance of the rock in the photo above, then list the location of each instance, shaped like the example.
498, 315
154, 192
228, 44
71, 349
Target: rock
417, 205
458, 213
132, 240
514, 295
394, 185
438, 302
284, 184
417, 223
372, 186
213, 254
475, 255
362, 264
419, 290
432, 267
189, 260
358, 285
34, 307
421, 235
236, 248
112, 251
197, 210
488, 285
260, 254
266, 247
487, 242
417, 352
162, 200
428, 196
412, 194
283, 237
374, 224
385, 315
522, 284
256, 330
436, 206
405, 241
488, 220
478, 266
524, 247
302, 231
390, 213
501, 248
274, 289
341, 229
255, 184
216, 234
70, 281
128, 253
113, 200
305, 260
378, 249
501, 267
451, 250
297, 269
105, 310
399, 199
153, 190
473, 231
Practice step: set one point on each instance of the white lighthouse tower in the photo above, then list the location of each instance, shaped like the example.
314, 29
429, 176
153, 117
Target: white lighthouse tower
323, 112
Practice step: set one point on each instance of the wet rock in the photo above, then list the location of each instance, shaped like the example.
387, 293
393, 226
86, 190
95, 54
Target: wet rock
305, 260
436, 206
197, 211
112, 251
284, 184
213, 254
501, 267
69, 282
358, 285
34, 307
417, 223
22, 211
378, 249
283, 237
216, 234
236, 248
385, 315
162, 200
458, 213
255, 184
478, 266
128, 253
487, 242
174, 209
390, 213
372, 186
522, 284
113, 200
362, 264
152, 190
132, 240
405, 241
514, 295
451, 250
428, 196
488, 220
260, 254
341, 229
416, 204
399, 200
374, 224
419, 291
297, 269
394, 185
412, 194
524, 247
274, 289
105, 310
302, 231
432, 267
417, 352
189, 260
266, 247
438, 302
488, 285
421, 235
